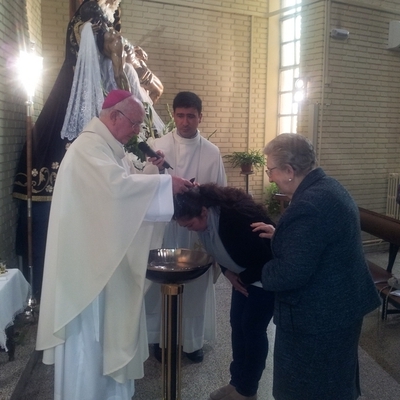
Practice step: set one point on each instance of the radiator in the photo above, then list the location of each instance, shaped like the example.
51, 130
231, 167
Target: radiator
392, 208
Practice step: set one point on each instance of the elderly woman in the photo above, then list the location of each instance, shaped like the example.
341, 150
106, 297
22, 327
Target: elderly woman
222, 217
321, 281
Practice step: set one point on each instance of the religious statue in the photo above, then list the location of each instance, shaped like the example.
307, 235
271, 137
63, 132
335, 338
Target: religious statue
49, 143
120, 51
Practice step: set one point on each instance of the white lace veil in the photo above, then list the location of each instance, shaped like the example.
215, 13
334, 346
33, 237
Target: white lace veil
94, 74
86, 97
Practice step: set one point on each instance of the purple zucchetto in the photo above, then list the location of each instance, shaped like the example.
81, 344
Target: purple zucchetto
114, 97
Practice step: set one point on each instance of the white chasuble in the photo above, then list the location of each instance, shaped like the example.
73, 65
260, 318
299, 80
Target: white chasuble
101, 229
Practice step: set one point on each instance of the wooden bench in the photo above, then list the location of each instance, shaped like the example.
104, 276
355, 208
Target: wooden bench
387, 229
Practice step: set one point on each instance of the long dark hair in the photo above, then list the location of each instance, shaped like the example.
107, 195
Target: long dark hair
189, 204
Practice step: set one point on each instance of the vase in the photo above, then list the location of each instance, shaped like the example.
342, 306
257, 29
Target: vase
246, 168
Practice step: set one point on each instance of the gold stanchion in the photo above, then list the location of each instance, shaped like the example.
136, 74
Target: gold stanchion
171, 340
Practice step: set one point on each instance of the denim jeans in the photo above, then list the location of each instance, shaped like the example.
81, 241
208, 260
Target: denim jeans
249, 318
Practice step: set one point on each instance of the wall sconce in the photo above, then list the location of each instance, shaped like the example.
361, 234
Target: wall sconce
300, 90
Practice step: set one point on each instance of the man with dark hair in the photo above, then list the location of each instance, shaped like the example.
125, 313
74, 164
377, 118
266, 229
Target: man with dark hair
188, 100
192, 157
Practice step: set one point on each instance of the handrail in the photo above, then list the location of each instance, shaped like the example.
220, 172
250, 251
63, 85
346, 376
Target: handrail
381, 226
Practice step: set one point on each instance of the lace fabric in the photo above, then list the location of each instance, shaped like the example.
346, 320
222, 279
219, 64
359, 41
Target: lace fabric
86, 97
93, 75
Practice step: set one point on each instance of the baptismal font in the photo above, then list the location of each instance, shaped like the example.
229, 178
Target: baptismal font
172, 268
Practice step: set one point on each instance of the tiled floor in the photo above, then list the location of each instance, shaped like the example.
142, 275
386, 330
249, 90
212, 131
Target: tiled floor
379, 357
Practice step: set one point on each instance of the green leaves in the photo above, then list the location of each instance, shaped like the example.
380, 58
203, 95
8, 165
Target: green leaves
253, 157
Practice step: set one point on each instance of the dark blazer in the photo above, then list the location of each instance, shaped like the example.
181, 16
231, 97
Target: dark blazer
319, 274
245, 247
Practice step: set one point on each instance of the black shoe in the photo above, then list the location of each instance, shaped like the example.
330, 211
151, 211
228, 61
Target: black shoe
157, 352
196, 357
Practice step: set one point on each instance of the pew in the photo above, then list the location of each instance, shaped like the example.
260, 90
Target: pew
387, 229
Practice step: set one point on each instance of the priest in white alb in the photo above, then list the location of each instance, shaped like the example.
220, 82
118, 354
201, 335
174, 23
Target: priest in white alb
191, 156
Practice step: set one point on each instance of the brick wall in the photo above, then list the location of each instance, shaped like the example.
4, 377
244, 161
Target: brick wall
217, 51
55, 18
359, 126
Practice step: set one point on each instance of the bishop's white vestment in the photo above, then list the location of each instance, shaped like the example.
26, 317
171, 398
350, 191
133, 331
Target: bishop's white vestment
200, 159
103, 222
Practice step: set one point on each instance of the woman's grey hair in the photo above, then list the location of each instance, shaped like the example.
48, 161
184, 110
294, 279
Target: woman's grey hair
293, 149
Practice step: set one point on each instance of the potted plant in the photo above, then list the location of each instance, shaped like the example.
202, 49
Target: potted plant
246, 160
275, 201
273, 206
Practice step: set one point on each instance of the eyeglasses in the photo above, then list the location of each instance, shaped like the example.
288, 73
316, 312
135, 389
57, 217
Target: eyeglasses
269, 170
134, 124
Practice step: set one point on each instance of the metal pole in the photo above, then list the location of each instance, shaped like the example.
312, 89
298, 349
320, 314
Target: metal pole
29, 67
171, 340
246, 175
29, 108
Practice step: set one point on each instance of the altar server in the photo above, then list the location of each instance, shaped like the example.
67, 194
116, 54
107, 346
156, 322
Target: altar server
193, 157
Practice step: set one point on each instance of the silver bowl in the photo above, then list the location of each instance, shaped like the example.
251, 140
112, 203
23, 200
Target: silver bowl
176, 265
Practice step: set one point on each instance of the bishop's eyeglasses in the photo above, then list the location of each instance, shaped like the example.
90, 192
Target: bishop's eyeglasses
134, 124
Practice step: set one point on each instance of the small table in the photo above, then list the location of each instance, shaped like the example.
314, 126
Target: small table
14, 293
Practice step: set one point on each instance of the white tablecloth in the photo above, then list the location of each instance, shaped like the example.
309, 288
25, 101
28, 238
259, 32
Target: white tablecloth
14, 293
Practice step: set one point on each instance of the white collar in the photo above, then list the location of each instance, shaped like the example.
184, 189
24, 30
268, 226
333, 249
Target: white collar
182, 139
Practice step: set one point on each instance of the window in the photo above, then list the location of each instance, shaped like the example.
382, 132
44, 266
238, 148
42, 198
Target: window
289, 71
